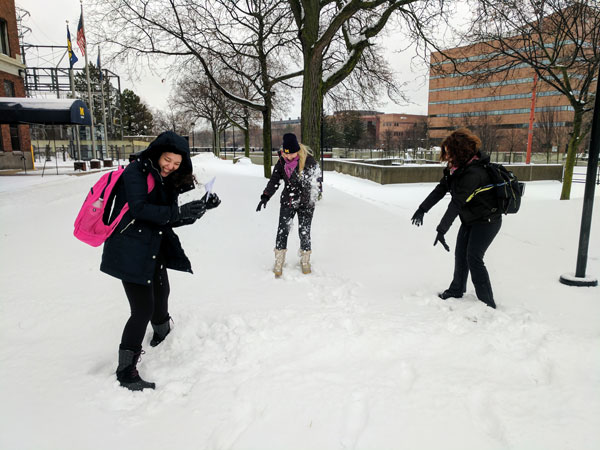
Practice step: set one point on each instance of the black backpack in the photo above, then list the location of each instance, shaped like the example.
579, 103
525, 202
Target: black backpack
508, 188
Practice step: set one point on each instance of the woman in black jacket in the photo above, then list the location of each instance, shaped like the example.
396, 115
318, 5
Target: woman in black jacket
477, 208
301, 176
144, 244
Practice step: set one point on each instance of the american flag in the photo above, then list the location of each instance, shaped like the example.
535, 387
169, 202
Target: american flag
81, 35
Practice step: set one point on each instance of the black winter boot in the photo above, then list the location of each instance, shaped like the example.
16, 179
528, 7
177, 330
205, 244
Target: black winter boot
127, 373
161, 331
449, 294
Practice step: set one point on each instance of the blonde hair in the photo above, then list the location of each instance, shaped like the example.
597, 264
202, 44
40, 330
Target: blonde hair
303, 153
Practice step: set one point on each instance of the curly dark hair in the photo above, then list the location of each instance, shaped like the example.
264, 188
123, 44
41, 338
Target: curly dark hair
459, 147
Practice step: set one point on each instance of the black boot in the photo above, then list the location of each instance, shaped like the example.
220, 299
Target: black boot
449, 294
127, 373
161, 331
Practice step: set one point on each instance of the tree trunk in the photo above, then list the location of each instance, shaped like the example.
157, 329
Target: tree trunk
216, 142
267, 141
246, 138
571, 153
213, 140
312, 84
312, 101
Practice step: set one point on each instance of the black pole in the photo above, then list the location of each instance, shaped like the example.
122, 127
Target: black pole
322, 143
588, 201
193, 128
590, 186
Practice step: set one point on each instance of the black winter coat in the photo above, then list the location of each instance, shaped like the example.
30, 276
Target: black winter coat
480, 208
145, 234
300, 189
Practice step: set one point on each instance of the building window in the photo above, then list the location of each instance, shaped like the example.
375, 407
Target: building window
1, 140
15, 142
4, 48
9, 88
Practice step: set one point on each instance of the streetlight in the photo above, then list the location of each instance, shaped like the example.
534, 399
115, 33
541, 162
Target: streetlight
193, 125
233, 136
580, 278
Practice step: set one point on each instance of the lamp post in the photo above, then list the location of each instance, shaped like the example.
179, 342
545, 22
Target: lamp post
193, 127
580, 278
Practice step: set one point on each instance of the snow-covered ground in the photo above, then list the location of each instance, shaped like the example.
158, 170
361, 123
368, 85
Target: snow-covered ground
361, 354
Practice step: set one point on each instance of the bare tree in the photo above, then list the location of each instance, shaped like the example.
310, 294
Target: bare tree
558, 39
388, 138
330, 39
197, 98
356, 23
546, 132
371, 79
170, 119
511, 140
487, 127
239, 115
260, 32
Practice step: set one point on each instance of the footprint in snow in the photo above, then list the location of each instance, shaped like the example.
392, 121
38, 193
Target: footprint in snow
483, 414
356, 416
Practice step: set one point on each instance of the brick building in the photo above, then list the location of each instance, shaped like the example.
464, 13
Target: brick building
399, 125
501, 102
379, 128
15, 140
386, 130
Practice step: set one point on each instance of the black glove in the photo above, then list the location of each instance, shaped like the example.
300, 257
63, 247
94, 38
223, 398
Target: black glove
213, 201
192, 210
417, 218
440, 238
263, 202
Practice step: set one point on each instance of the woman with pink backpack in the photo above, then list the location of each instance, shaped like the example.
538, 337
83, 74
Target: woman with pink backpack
143, 245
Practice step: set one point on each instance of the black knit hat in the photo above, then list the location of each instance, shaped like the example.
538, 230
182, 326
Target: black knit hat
290, 143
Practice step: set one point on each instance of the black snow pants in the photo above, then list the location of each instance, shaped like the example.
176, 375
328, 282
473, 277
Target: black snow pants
472, 242
286, 217
147, 302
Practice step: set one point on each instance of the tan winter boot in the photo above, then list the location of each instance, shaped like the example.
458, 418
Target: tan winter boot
305, 260
279, 260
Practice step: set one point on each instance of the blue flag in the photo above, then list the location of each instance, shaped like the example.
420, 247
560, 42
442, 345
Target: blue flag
72, 58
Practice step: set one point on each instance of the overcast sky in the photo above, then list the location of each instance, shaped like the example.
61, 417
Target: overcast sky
48, 27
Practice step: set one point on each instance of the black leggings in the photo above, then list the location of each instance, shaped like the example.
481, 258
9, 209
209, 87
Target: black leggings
472, 242
147, 302
286, 217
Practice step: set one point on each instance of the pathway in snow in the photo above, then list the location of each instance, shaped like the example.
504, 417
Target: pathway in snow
360, 354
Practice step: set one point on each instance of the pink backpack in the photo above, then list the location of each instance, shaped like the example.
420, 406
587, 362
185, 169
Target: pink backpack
89, 224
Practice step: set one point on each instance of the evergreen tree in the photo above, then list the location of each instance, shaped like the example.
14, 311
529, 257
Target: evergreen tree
353, 129
137, 118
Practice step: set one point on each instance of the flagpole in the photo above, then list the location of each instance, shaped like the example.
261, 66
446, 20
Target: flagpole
75, 127
103, 105
72, 83
89, 89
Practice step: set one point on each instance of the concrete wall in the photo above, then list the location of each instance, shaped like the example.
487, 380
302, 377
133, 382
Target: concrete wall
417, 173
14, 160
429, 174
